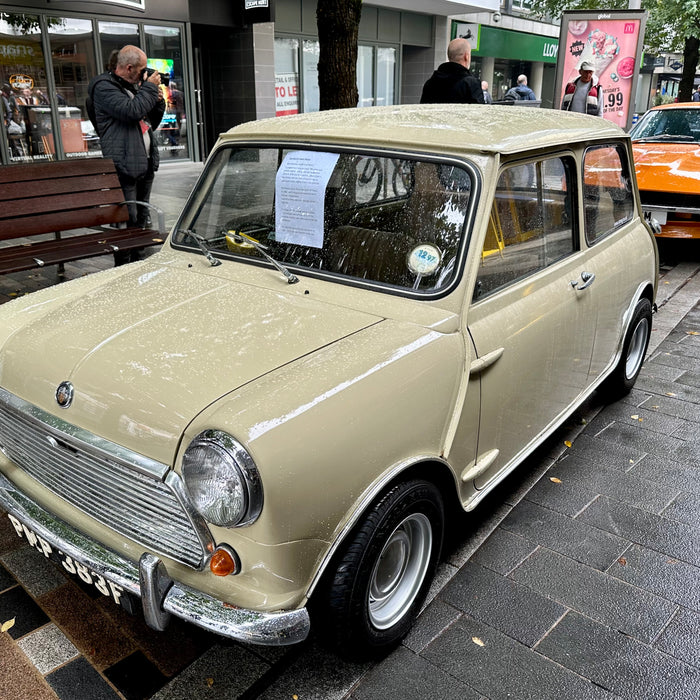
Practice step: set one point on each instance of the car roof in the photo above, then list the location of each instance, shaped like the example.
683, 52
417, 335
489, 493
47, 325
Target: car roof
676, 105
443, 128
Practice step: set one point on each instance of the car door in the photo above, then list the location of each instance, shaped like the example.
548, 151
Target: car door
612, 235
531, 321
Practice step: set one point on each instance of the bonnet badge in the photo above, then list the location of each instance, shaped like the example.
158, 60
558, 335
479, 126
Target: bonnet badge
64, 394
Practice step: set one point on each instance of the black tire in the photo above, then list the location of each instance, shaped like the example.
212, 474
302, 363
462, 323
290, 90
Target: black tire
634, 349
370, 600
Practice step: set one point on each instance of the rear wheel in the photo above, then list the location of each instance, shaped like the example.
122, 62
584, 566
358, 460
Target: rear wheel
384, 571
625, 374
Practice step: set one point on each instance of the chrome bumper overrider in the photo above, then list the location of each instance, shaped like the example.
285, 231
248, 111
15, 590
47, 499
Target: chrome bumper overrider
148, 579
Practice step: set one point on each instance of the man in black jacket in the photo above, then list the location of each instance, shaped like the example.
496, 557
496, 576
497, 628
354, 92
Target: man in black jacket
452, 81
127, 108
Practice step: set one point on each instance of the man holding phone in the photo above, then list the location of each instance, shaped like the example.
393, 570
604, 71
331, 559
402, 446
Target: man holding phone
127, 106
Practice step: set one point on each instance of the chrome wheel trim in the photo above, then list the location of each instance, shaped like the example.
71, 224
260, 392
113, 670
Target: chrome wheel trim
635, 354
400, 571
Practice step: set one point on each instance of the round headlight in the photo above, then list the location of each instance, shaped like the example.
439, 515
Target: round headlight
222, 480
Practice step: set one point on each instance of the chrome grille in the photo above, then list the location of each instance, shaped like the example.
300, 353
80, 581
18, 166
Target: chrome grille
142, 507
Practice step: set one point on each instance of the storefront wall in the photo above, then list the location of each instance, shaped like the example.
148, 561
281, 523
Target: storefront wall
47, 59
385, 36
499, 56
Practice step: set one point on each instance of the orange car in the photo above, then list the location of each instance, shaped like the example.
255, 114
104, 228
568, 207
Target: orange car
666, 147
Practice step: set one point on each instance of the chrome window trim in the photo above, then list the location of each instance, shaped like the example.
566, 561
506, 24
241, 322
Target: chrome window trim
368, 150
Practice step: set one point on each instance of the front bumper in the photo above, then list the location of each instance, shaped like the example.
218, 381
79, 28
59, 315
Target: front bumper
160, 596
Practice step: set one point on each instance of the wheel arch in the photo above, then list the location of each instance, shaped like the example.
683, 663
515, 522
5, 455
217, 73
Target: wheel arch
432, 469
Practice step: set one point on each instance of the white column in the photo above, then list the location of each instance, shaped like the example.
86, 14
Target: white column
534, 80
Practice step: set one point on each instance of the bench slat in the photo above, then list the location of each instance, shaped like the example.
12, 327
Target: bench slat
15, 191
59, 204
64, 221
27, 172
19, 258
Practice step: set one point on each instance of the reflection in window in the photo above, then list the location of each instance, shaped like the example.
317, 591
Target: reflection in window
164, 51
73, 61
607, 191
25, 101
309, 62
386, 71
530, 226
114, 35
365, 70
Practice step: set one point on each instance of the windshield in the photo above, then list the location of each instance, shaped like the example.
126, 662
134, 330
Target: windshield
669, 125
366, 219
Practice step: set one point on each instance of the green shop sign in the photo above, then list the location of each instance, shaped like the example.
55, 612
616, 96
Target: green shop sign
505, 43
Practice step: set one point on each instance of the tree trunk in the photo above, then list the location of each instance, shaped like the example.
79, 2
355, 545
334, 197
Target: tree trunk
338, 24
691, 55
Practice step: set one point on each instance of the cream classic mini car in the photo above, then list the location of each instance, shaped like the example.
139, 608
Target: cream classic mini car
362, 320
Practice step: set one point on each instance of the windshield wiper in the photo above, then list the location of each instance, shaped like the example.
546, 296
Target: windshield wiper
242, 238
201, 243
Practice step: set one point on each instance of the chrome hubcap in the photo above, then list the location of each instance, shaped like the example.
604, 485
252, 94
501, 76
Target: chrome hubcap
400, 570
635, 354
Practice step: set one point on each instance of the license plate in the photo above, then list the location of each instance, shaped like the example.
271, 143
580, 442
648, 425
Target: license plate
660, 216
74, 567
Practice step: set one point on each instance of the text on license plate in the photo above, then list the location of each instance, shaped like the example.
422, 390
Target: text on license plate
104, 586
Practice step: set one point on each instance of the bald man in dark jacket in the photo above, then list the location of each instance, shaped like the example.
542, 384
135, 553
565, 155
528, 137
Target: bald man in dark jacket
127, 111
452, 81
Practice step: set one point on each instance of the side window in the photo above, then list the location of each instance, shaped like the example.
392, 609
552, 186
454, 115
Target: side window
530, 226
607, 191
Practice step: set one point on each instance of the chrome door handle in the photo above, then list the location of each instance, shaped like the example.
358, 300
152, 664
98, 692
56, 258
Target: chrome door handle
587, 278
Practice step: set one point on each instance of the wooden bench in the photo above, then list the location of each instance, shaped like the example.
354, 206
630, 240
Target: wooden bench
78, 202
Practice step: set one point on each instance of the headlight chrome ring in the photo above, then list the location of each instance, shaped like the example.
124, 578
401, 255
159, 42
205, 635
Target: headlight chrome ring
222, 480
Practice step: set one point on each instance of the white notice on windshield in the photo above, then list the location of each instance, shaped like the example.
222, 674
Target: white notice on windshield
299, 200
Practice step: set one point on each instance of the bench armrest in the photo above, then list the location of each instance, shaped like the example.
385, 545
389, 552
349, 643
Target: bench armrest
158, 210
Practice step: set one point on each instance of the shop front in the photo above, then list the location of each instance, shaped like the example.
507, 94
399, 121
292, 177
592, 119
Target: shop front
228, 62
499, 56
48, 56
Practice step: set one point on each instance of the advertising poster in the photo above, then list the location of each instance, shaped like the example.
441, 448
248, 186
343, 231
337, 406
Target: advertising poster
286, 94
612, 41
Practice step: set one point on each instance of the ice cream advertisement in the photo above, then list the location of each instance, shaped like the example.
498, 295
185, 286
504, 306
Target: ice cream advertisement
612, 42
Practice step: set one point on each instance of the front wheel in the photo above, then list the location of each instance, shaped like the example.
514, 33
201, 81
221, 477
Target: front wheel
625, 374
383, 573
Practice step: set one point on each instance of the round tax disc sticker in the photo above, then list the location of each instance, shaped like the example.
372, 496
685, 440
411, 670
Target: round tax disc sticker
424, 259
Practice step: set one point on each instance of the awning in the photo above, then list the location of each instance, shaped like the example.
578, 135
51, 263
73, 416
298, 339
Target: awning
440, 7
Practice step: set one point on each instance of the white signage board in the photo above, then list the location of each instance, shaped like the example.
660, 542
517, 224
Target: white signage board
300, 190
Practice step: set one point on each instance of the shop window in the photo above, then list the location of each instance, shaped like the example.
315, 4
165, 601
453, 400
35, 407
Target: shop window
164, 51
25, 97
73, 61
376, 75
386, 75
114, 35
287, 87
365, 71
309, 62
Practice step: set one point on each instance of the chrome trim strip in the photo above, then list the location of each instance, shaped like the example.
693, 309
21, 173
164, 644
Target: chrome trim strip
91, 443
250, 626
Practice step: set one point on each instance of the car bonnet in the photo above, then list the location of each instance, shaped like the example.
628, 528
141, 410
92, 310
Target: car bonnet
148, 351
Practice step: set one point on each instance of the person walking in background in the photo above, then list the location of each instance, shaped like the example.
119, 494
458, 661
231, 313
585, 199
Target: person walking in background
452, 81
487, 95
695, 97
583, 94
128, 107
521, 91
